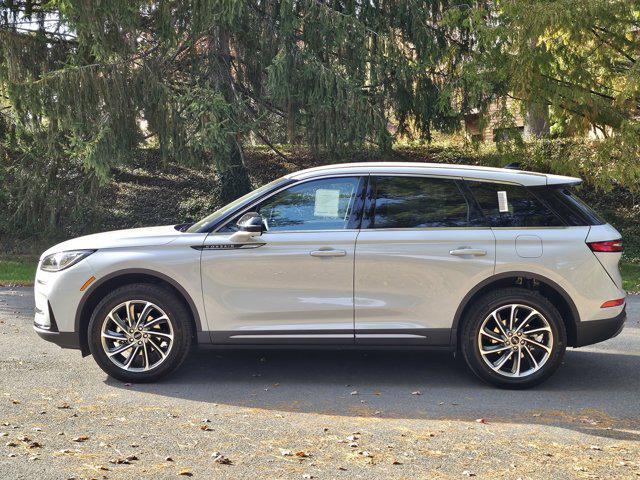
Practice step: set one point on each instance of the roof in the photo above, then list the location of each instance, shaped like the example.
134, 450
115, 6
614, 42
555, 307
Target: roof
438, 169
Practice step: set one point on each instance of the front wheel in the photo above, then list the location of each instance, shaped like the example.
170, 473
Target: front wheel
513, 338
139, 333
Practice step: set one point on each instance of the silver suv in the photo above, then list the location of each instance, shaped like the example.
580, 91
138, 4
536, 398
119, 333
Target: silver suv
506, 267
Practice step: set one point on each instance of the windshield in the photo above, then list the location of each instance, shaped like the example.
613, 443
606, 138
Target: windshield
221, 212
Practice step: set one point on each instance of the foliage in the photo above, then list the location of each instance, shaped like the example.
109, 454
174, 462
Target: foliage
202, 77
84, 84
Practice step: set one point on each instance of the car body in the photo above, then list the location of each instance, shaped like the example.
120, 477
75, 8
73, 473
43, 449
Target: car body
356, 255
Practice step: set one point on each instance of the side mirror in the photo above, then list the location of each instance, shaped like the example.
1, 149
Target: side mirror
251, 223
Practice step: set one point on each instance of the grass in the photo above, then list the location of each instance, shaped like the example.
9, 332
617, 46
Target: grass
22, 271
18, 271
630, 276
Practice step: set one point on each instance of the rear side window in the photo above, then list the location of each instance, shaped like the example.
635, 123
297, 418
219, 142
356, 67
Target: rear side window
512, 206
568, 205
418, 202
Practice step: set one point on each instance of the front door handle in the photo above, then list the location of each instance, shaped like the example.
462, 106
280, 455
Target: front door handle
460, 252
329, 252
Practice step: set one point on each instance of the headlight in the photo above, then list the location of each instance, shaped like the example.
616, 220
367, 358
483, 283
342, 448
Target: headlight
61, 260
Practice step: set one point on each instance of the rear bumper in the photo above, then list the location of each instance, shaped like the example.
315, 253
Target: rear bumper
594, 331
62, 339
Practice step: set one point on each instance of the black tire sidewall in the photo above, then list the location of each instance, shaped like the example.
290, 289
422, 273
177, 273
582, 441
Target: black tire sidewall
483, 307
175, 311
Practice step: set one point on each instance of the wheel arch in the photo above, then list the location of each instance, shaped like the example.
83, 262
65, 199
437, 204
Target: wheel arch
532, 281
116, 279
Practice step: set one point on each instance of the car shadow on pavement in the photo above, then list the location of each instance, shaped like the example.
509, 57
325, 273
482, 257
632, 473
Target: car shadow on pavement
590, 393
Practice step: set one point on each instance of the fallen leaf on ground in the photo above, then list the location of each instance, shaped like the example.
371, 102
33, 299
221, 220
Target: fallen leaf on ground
221, 459
185, 473
417, 392
81, 438
480, 420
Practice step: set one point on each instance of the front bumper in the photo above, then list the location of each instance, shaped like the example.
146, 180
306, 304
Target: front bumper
62, 339
594, 331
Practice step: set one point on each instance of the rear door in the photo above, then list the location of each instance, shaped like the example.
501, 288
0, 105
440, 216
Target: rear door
421, 249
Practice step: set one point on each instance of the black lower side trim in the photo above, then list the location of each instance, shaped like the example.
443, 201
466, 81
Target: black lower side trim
429, 337
596, 331
62, 339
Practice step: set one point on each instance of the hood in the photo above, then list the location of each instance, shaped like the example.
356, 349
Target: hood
134, 237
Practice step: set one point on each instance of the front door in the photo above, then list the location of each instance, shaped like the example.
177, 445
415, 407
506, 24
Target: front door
294, 284
421, 249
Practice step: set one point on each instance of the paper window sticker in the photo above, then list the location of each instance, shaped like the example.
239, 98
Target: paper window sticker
503, 203
327, 203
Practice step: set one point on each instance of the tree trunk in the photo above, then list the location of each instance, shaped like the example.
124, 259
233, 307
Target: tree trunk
536, 122
291, 123
232, 172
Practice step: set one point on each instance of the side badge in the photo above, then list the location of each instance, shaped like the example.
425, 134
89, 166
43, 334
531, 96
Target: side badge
226, 246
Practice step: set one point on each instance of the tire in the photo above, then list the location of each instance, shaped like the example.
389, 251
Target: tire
160, 348
546, 343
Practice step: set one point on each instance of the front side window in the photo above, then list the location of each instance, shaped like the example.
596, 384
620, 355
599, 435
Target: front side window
419, 202
220, 213
315, 205
505, 205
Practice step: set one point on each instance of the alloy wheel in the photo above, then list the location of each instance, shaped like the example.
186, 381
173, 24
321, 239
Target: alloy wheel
137, 336
515, 340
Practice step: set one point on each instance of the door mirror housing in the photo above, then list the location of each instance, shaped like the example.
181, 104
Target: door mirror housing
250, 225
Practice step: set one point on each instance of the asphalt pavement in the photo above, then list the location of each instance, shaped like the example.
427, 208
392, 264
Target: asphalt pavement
313, 414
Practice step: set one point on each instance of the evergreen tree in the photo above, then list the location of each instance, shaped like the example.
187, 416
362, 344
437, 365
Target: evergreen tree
199, 76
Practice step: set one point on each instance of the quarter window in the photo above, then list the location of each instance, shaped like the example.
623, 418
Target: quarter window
511, 206
419, 202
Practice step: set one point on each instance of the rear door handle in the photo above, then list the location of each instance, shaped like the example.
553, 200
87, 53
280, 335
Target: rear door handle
460, 252
329, 252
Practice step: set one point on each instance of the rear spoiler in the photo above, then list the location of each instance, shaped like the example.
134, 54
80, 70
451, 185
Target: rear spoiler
563, 180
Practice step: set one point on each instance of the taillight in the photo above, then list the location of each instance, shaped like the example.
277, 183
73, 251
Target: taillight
609, 246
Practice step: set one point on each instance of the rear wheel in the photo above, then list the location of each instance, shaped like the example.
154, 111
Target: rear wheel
513, 338
139, 333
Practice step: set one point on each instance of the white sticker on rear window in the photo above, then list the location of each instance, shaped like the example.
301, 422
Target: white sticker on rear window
503, 204
327, 203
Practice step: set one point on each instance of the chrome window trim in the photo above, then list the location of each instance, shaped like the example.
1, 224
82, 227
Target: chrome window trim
417, 229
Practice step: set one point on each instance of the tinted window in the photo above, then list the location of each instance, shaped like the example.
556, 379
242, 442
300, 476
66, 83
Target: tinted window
522, 209
418, 202
568, 205
316, 205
